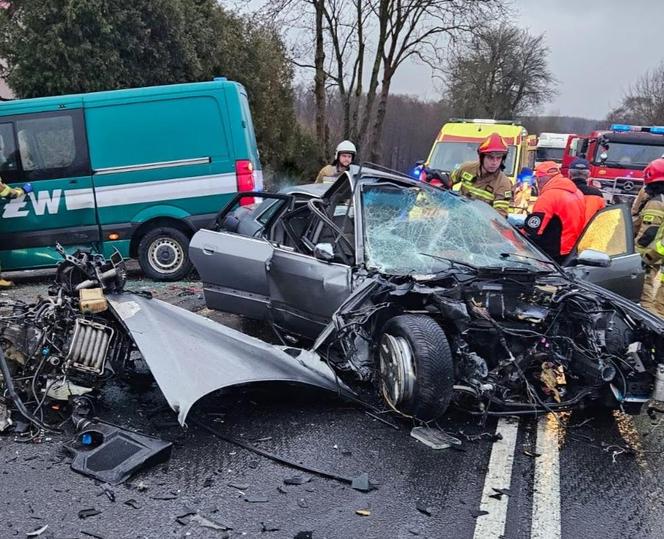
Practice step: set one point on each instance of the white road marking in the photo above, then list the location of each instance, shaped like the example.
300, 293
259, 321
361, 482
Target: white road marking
499, 475
546, 495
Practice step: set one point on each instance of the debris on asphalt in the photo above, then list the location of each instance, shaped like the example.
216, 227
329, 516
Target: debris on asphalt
204, 522
362, 483
256, 499
434, 438
282, 489
239, 486
132, 503
304, 535
93, 535
105, 490
363, 512
266, 528
531, 453
165, 497
87, 513
296, 480
499, 493
423, 508
302, 502
475, 513
38, 531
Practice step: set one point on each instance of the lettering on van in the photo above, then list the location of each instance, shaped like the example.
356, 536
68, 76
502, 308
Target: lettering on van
42, 202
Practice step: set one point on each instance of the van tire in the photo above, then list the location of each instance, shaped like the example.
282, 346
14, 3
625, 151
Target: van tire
163, 254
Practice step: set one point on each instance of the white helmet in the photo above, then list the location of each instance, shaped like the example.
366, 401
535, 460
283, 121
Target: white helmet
345, 146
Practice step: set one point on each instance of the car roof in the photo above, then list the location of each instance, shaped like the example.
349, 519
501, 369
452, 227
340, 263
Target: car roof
313, 189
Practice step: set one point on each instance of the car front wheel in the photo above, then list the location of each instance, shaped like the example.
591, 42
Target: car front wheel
416, 366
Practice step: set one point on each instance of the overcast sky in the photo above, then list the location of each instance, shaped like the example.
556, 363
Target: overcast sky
597, 48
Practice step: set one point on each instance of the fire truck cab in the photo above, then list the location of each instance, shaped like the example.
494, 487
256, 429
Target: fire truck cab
617, 158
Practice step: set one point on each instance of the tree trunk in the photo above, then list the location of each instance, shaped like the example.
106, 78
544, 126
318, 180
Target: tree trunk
319, 83
377, 129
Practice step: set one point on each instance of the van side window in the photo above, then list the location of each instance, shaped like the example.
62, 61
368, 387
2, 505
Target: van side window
8, 156
52, 145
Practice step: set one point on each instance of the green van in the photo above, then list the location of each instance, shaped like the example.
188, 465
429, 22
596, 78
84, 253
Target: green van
138, 169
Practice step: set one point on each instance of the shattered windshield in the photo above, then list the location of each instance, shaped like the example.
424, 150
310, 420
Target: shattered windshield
414, 229
449, 155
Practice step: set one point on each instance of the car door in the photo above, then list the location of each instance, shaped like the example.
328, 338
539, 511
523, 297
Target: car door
611, 231
232, 266
305, 291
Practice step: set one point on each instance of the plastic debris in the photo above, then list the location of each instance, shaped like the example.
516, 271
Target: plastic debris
363, 512
304, 535
362, 483
87, 513
239, 486
434, 438
422, 508
132, 503
204, 522
265, 528
37, 532
256, 499
297, 480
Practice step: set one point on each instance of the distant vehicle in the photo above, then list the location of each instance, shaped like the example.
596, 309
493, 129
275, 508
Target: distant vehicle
459, 138
617, 157
550, 147
139, 170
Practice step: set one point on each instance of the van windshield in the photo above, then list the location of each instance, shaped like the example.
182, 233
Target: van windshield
449, 155
549, 154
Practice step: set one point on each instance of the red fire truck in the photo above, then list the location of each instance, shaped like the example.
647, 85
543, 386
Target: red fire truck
617, 157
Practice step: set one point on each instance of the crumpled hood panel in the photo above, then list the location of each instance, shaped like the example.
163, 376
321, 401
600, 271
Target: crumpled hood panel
191, 356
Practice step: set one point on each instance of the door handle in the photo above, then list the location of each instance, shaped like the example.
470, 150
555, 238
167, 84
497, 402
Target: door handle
208, 250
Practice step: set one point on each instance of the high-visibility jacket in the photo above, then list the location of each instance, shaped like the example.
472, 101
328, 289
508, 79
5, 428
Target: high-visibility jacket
592, 197
558, 217
495, 189
10, 192
649, 227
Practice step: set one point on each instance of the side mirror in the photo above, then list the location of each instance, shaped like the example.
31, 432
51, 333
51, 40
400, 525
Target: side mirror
324, 251
590, 257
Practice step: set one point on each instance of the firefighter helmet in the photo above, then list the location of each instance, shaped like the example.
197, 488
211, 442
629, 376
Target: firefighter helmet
493, 143
345, 146
654, 172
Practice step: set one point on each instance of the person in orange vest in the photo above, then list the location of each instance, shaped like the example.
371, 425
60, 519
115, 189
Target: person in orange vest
558, 216
579, 172
484, 179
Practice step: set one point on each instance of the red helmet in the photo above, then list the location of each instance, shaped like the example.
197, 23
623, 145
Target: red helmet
654, 172
493, 143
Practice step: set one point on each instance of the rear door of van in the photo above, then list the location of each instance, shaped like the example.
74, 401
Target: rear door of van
49, 150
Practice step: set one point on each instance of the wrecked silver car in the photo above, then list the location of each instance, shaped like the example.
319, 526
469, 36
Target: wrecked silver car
435, 299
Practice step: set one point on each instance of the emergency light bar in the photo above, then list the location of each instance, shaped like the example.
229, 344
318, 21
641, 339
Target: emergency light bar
625, 128
482, 121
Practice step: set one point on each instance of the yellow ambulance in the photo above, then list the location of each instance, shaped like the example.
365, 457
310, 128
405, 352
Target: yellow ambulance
459, 138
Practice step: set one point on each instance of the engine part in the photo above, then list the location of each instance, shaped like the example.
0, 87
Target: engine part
89, 346
92, 300
594, 371
5, 417
62, 389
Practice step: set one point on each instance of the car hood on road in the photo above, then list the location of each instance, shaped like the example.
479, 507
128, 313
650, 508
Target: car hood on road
191, 356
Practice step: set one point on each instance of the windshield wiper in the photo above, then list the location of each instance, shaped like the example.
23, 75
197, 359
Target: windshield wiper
452, 261
540, 260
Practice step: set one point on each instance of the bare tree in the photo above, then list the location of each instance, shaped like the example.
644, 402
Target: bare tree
643, 103
500, 72
377, 36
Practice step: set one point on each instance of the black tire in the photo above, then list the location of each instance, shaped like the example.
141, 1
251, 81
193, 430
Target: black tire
163, 254
432, 366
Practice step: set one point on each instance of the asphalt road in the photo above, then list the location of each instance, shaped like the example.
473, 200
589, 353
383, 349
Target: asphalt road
568, 476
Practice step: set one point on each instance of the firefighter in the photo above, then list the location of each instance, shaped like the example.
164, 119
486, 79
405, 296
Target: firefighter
558, 216
579, 172
343, 157
7, 192
648, 215
484, 179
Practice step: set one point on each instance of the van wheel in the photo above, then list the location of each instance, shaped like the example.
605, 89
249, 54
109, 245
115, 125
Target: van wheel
416, 366
163, 254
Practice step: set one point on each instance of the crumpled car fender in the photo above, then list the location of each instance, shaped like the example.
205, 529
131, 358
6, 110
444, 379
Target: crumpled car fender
191, 356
